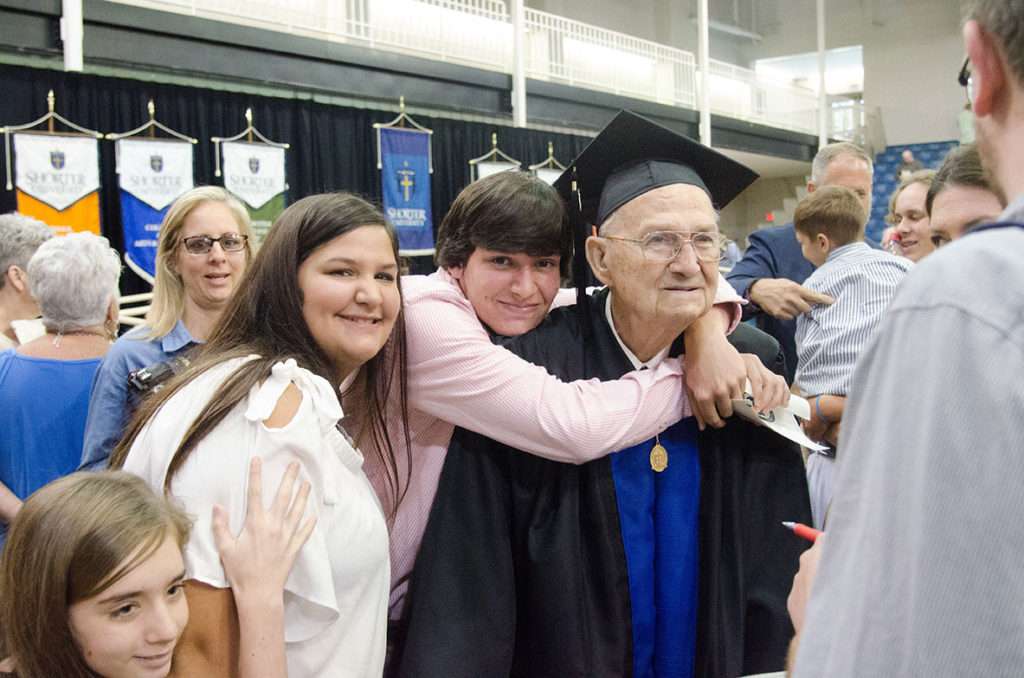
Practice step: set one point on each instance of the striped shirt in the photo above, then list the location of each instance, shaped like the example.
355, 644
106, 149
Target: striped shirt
829, 339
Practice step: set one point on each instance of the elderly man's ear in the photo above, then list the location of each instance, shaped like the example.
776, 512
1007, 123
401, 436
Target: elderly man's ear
597, 257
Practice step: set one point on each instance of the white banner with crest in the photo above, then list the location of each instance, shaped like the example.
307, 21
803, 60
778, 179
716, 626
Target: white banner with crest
254, 172
486, 169
547, 175
54, 169
155, 171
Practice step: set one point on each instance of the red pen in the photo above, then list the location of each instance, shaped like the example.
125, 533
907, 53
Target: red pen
805, 531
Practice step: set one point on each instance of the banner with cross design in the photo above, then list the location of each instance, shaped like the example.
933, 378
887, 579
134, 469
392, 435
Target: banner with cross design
405, 187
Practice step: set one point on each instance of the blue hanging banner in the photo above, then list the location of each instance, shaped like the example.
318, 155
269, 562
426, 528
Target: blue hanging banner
404, 160
141, 231
152, 174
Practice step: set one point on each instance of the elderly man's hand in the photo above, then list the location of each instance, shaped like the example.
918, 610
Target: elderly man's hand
784, 299
715, 373
802, 583
769, 389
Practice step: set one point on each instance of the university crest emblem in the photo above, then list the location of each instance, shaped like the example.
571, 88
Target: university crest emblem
57, 159
254, 165
156, 163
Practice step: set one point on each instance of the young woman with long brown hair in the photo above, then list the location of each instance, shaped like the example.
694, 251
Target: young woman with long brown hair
314, 313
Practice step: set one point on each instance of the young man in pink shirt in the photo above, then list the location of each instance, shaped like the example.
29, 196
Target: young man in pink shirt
502, 250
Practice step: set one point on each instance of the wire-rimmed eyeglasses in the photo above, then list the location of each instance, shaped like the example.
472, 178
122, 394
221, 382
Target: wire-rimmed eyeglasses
666, 245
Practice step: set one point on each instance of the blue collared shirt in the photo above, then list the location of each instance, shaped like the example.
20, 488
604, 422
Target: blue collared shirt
110, 402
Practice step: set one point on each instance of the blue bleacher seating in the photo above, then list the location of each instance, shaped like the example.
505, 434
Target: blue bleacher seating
929, 154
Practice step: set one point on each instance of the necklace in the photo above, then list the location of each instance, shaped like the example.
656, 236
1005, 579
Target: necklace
659, 456
60, 335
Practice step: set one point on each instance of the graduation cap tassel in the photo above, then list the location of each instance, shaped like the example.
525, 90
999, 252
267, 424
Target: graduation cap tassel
580, 267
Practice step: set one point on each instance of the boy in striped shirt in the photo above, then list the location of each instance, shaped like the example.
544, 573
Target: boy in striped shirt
829, 225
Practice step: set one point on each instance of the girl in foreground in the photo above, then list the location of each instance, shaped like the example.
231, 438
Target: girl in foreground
91, 578
313, 312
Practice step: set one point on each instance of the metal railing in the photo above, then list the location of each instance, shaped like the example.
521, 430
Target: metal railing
582, 55
478, 33
740, 93
853, 121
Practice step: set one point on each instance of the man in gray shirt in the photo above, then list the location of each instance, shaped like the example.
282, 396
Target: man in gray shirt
920, 573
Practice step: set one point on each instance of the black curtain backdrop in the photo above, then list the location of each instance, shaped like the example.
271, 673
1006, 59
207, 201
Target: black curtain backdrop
333, 148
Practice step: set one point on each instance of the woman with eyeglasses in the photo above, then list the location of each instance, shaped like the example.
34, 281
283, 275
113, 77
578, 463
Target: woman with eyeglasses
203, 251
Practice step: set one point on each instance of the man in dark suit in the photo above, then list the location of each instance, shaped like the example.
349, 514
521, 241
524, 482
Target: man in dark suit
772, 271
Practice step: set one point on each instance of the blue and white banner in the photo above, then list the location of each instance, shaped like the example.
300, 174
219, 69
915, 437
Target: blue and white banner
152, 174
405, 164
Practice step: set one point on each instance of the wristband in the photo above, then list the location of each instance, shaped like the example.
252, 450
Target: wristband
817, 410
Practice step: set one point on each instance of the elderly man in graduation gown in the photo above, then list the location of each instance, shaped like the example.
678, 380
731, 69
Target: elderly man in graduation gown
662, 560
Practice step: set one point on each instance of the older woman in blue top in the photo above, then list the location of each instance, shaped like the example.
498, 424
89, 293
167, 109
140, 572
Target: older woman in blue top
44, 383
203, 251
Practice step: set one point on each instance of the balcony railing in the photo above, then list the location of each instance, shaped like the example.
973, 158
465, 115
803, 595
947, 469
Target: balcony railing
740, 93
852, 121
478, 33
581, 55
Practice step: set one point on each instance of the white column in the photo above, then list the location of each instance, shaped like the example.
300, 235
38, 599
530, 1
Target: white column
823, 110
703, 65
518, 64
71, 34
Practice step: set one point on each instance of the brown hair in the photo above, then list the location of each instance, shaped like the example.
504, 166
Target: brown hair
925, 177
264, 317
508, 212
73, 539
961, 167
834, 211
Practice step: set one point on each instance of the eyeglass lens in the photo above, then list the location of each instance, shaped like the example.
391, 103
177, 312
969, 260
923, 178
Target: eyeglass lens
201, 244
667, 245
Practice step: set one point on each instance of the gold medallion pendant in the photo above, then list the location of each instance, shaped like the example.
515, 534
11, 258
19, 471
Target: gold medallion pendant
659, 458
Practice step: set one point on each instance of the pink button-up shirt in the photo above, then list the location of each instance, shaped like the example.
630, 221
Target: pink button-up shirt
457, 377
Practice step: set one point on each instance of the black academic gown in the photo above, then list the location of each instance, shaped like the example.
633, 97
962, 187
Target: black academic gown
522, 570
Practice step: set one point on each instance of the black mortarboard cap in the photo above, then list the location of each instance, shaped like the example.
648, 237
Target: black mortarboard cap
633, 155
629, 157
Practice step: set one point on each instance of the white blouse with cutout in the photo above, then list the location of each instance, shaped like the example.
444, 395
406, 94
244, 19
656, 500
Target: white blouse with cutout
335, 599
